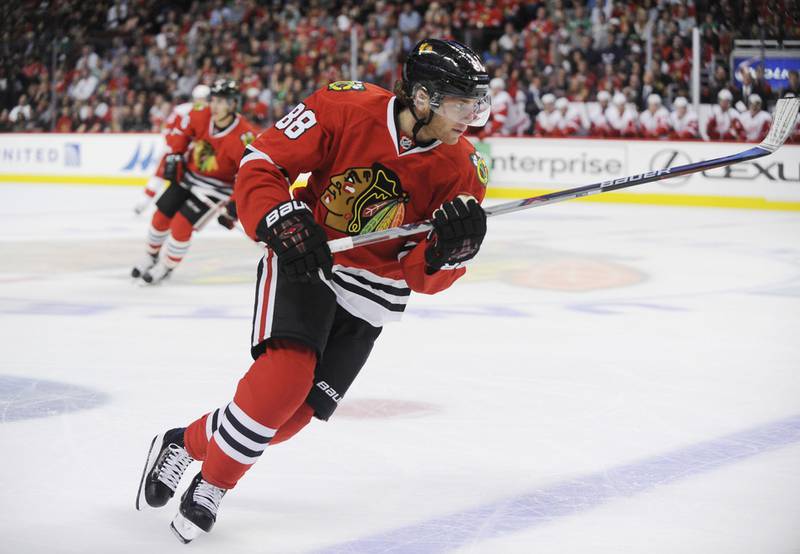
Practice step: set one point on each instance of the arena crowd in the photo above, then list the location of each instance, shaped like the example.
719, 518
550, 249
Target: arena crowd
560, 67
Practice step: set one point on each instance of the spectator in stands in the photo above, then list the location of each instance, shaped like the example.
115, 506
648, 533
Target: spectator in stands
84, 87
682, 121
654, 121
724, 121
751, 86
793, 85
571, 48
21, 114
409, 20
755, 122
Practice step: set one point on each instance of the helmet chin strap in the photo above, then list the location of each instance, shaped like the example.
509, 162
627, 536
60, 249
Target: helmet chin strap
419, 121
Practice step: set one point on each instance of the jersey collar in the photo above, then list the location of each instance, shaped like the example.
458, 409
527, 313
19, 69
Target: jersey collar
403, 145
223, 132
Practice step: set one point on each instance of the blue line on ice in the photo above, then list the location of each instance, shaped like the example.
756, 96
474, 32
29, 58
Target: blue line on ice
450, 531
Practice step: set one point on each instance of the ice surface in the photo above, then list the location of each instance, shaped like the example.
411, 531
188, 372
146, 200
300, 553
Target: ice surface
607, 379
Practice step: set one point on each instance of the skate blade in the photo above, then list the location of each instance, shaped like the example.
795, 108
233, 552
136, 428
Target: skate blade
152, 456
185, 530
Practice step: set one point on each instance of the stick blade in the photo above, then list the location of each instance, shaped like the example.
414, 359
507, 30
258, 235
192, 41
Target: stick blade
783, 123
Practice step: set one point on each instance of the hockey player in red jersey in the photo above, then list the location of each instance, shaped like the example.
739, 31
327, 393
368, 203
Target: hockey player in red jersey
204, 153
376, 160
178, 117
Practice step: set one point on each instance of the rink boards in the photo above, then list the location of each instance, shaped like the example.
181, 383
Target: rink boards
519, 167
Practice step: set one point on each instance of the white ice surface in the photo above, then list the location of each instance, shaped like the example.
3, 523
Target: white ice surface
587, 337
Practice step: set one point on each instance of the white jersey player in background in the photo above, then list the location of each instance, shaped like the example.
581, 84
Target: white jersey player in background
569, 122
621, 117
599, 126
519, 121
682, 121
755, 121
177, 119
724, 121
501, 108
654, 121
547, 119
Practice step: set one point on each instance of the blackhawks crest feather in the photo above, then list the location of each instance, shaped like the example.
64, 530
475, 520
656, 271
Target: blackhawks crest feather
365, 199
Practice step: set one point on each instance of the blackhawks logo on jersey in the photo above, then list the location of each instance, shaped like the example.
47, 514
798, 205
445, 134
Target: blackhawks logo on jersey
343, 86
365, 199
204, 157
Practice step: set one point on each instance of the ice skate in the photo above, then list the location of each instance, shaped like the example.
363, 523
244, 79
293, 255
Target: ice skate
198, 510
156, 274
166, 463
143, 266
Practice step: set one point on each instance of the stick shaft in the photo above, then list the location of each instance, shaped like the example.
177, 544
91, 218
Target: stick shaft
782, 126
346, 243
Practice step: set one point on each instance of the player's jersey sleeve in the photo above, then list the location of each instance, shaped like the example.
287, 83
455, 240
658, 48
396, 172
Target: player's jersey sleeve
472, 175
298, 143
180, 136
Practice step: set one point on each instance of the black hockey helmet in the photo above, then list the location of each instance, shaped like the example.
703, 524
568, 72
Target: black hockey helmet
447, 68
226, 88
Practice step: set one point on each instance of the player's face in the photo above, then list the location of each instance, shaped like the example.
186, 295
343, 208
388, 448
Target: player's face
451, 115
221, 108
445, 129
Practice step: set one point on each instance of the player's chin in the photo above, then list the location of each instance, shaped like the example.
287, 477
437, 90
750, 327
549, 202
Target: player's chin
455, 134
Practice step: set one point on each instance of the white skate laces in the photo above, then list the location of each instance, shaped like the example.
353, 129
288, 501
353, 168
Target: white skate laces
208, 496
174, 466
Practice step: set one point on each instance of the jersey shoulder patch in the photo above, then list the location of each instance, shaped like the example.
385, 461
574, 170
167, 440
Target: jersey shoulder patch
481, 168
347, 86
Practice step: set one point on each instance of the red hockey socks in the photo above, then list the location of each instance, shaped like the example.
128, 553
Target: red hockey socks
289, 429
199, 433
158, 232
178, 243
267, 397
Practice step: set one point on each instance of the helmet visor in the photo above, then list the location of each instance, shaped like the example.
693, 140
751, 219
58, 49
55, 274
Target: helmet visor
467, 110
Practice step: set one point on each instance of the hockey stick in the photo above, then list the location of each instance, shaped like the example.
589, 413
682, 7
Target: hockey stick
782, 125
214, 208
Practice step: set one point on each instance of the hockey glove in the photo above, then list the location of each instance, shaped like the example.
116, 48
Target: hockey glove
458, 230
228, 217
299, 242
173, 167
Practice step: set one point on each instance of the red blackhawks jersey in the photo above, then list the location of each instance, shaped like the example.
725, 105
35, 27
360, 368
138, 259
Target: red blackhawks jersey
366, 175
213, 155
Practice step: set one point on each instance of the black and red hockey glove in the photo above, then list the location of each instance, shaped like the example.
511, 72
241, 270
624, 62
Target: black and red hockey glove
228, 216
299, 242
173, 168
458, 230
